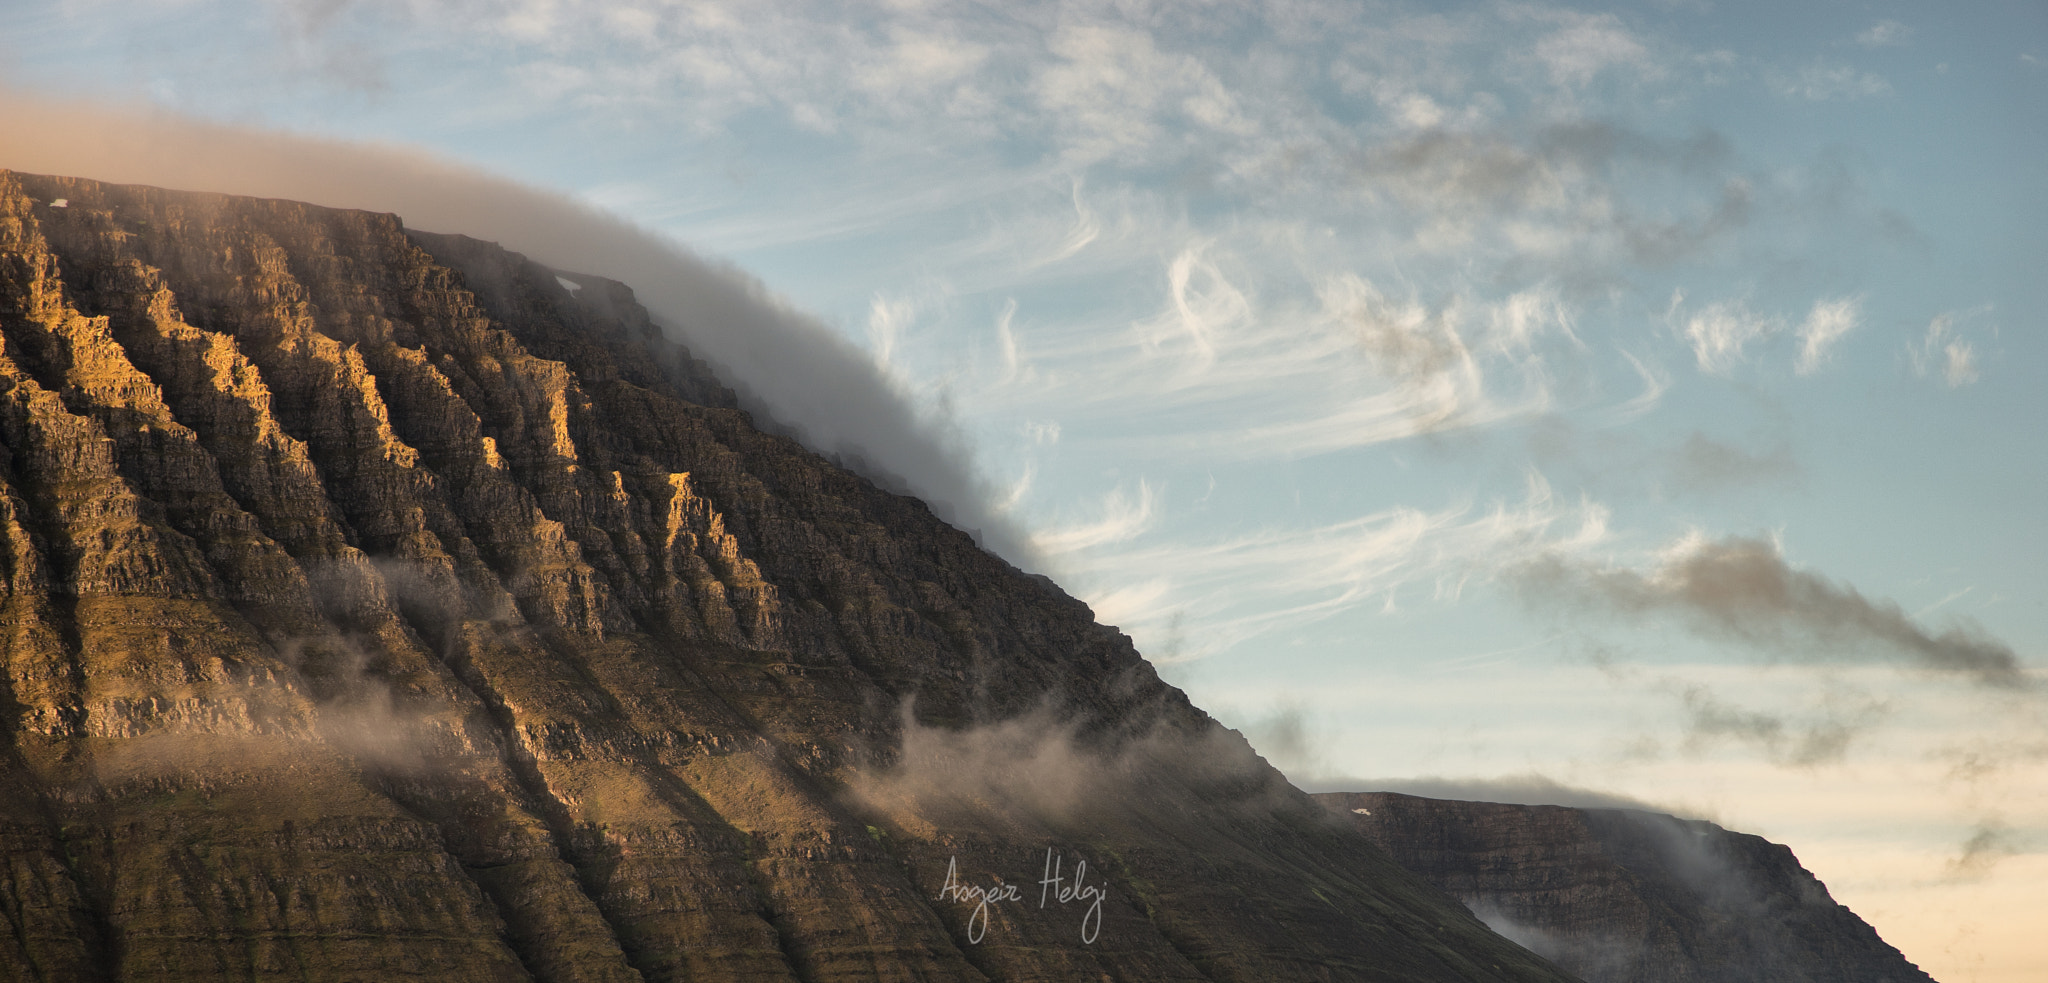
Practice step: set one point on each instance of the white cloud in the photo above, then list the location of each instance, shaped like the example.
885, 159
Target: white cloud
1226, 590
1655, 381
1228, 234
1823, 81
1721, 332
1829, 321
1086, 229
887, 320
1112, 91
1961, 368
1042, 432
918, 62
1102, 91
1884, 33
1944, 353
1204, 303
1218, 373
1125, 516
1589, 45
1129, 603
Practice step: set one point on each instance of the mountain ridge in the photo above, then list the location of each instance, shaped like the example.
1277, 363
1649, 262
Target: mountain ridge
378, 606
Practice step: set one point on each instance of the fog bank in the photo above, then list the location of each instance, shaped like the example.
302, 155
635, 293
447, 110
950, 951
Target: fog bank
786, 365
1528, 790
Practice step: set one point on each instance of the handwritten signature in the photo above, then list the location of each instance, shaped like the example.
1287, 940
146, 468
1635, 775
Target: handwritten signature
1053, 886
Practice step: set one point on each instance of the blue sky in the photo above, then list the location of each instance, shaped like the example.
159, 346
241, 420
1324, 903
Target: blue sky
1647, 399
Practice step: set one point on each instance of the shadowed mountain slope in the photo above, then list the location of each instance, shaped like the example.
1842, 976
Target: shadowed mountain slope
1624, 896
382, 605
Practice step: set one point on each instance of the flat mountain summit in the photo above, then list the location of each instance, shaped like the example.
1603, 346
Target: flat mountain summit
382, 605
1629, 896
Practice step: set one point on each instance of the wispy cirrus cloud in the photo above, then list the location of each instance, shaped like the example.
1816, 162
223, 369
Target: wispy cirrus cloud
1300, 368
1230, 588
1490, 148
1824, 81
1126, 514
1074, 85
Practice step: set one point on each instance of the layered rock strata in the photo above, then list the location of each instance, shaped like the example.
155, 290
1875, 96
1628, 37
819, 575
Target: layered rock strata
1622, 896
383, 605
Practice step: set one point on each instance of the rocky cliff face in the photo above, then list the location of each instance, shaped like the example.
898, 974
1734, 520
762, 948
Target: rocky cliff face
1620, 896
381, 605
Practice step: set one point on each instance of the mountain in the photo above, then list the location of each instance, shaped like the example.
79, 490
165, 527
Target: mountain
382, 605
1617, 895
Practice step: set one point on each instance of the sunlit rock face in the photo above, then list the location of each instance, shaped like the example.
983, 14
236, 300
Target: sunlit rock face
1623, 896
380, 605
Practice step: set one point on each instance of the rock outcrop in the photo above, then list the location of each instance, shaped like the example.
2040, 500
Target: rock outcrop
1623, 896
381, 605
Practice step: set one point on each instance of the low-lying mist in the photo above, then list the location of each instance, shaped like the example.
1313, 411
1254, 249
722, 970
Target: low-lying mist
1040, 766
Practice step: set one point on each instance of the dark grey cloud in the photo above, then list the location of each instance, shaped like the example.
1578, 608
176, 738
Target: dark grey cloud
1741, 589
1572, 177
1989, 842
1529, 790
331, 39
1282, 737
785, 364
1820, 738
1662, 242
1703, 464
1288, 739
1988, 777
1990, 757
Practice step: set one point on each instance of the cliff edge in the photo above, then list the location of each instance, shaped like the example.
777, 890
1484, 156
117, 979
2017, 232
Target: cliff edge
1624, 896
383, 605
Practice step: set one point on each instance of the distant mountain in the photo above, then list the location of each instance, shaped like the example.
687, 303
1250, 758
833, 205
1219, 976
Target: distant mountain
1625, 896
380, 605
